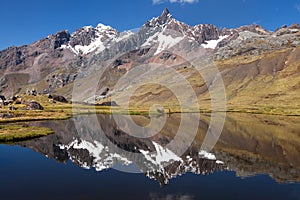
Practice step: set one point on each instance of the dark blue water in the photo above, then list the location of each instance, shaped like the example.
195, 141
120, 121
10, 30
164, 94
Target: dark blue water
26, 174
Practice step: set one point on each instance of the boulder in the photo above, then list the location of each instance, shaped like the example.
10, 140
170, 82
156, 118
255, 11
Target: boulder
6, 116
18, 101
59, 98
104, 91
160, 110
52, 101
33, 105
14, 98
12, 108
110, 103
4, 103
2, 98
32, 92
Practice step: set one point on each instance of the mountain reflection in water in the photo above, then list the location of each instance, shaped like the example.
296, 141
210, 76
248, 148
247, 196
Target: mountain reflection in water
249, 145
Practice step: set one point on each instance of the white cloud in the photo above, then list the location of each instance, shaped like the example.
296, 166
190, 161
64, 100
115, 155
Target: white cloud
298, 7
174, 1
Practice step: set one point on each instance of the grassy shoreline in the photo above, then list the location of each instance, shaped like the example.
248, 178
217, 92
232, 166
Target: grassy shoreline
68, 111
18, 132
11, 132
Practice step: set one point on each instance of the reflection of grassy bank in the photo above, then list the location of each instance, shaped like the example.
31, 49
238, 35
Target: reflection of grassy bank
14, 133
258, 144
264, 134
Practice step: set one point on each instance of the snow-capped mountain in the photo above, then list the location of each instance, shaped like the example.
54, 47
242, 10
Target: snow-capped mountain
163, 31
53, 64
61, 58
166, 32
94, 40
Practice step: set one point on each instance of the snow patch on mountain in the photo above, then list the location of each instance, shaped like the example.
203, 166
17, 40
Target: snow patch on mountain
151, 40
166, 42
124, 35
96, 44
212, 44
206, 155
104, 37
163, 41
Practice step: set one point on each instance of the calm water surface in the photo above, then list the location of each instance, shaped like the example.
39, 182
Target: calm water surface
256, 157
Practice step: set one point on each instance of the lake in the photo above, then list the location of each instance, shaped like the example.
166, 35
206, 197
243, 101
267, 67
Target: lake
107, 157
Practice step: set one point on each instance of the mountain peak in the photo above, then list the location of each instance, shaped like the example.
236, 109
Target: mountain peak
103, 27
166, 11
164, 18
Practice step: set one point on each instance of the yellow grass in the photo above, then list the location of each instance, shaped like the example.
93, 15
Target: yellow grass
14, 133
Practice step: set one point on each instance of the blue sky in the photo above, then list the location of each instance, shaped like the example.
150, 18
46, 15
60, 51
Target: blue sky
25, 21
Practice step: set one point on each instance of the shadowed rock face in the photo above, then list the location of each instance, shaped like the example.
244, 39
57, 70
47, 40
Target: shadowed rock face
83, 37
61, 38
245, 150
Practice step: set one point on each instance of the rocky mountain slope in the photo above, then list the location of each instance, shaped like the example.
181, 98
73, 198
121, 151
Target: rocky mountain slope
259, 68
